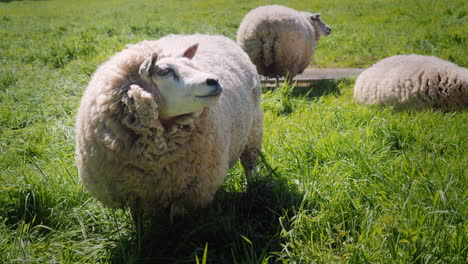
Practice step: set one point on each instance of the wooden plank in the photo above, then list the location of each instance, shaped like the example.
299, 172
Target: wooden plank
310, 75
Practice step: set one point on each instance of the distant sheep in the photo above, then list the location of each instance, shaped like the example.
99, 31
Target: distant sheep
413, 81
162, 121
280, 41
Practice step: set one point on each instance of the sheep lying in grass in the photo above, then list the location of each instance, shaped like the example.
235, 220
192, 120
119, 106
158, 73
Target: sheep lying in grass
162, 121
280, 41
413, 81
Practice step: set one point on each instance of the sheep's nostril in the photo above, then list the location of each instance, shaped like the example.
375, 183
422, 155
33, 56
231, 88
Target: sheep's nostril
212, 82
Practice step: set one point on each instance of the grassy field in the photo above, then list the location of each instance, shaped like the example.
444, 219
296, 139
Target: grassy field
338, 182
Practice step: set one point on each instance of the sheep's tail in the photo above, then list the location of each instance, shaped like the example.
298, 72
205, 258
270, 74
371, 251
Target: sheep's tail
268, 51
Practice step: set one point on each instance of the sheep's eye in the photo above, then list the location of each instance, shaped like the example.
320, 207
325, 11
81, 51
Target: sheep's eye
164, 71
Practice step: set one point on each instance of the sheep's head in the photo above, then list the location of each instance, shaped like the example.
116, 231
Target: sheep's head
321, 29
182, 88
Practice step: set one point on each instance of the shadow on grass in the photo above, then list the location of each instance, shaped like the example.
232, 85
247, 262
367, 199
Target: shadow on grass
283, 98
239, 227
318, 88
314, 89
6, 1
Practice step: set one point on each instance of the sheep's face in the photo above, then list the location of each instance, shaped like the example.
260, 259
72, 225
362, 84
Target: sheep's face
182, 88
320, 26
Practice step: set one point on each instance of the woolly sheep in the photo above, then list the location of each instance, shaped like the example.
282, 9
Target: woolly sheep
413, 81
280, 41
162, 121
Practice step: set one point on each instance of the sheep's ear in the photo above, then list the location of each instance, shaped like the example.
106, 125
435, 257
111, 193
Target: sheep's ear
315, 17
190, 51
147, 67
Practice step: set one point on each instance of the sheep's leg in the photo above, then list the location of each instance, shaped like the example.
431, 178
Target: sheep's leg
249, 161
177, 209
250, 154
288, 80
137, 215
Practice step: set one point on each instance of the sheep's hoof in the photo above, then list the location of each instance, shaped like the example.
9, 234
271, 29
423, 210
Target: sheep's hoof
177, 209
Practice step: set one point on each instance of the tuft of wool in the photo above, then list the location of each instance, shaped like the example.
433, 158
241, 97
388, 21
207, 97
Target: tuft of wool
127, 155
413, 81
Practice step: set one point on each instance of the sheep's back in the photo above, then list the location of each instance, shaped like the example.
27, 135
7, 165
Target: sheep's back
278, 40
413, 81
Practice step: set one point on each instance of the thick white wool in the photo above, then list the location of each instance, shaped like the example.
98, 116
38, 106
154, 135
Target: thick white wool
413, 81
125, 153
279, 40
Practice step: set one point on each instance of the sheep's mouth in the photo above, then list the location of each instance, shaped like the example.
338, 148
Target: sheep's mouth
325, 31
214, 93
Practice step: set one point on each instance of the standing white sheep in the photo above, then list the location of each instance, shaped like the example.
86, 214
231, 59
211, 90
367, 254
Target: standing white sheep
162, 121
280, 41
413, 81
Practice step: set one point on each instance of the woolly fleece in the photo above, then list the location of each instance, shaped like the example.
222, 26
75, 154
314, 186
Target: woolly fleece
413, 81
125, 153
280, 41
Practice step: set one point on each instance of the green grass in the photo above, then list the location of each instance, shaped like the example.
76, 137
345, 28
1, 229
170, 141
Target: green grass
338, 182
